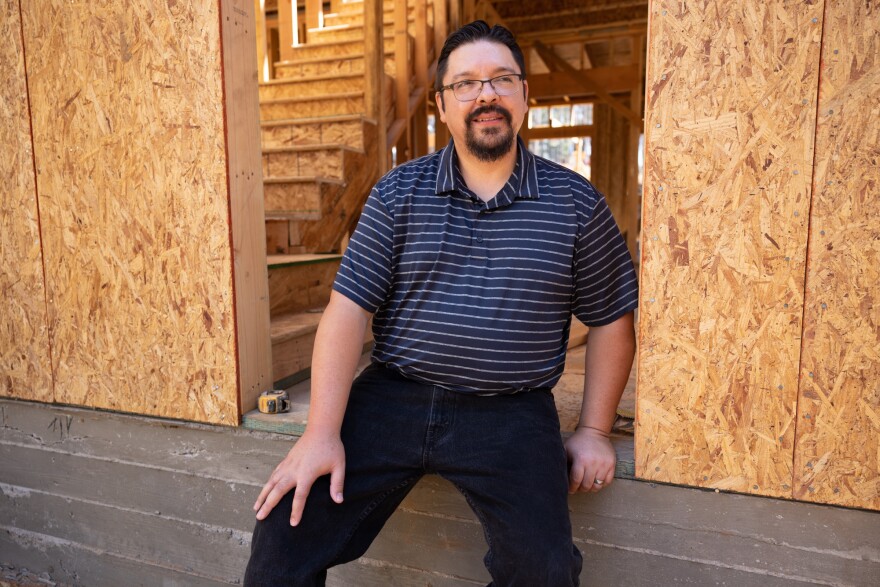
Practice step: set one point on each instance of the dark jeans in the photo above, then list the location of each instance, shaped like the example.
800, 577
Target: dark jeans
504, 453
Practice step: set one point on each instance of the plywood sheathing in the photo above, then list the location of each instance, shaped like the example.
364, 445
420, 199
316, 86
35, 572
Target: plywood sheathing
297, 197
128, 126
25, 367
730, 100
324, 161
838, 419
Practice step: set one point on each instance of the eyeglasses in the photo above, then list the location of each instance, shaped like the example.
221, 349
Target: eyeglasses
469, 89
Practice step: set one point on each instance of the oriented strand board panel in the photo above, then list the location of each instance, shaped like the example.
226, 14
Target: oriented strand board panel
128, 126
25, 368
730, 121
837, 456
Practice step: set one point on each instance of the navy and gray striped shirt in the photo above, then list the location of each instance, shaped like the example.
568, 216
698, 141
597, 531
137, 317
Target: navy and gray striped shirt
477, 296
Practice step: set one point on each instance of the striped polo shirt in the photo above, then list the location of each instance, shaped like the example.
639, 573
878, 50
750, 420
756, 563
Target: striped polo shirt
477, 296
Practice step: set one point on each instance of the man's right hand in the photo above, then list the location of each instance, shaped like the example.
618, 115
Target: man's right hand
311, 457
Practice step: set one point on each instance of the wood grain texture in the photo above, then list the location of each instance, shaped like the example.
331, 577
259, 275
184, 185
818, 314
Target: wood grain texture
25, 365
128, 124
730, 121
838, 425
246, 213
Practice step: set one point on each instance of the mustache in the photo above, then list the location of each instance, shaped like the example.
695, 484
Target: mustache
489, 110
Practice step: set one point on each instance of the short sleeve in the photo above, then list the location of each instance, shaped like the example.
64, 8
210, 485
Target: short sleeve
364, 275
605, 284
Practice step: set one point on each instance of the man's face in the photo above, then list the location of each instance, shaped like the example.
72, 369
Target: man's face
486, 126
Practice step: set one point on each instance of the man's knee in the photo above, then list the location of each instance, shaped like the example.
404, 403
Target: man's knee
535, 565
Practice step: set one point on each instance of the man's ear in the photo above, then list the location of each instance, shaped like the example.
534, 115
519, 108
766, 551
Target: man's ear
441, 105
526, 92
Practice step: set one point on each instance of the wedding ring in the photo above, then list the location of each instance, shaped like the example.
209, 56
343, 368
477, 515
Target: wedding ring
598, 481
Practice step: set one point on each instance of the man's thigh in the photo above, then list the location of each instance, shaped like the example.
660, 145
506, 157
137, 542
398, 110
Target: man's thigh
506, 455
382, 442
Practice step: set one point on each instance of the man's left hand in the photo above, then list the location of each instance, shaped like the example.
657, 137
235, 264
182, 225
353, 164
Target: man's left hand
591, 459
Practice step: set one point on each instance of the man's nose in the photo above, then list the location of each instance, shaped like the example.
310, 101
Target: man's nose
487, 93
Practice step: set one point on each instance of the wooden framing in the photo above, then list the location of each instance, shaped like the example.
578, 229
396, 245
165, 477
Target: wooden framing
374, 68
585, 80
264, 65
246, 204
287, 28
629, 219
314, 13
401, 79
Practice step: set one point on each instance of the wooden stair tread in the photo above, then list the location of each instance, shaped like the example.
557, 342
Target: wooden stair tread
303, 179
315, 147
311, 60
317, 120
294, 325
350, 27
314, 78
322, 98
304, 259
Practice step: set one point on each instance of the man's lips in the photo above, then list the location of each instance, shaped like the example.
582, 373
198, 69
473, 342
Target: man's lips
488, 115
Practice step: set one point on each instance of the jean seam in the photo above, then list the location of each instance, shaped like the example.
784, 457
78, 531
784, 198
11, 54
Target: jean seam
483, 521
366, 512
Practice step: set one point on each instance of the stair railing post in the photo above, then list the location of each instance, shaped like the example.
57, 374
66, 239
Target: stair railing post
374, 74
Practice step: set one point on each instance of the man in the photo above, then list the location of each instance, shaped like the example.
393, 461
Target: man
471, 261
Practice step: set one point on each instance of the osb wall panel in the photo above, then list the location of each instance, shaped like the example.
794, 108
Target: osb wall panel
25, 369
127, 107
838, 425
730, 120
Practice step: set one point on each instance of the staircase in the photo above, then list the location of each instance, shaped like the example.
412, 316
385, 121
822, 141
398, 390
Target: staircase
319, 163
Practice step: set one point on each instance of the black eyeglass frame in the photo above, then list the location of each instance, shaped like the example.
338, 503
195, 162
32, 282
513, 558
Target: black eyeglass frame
521, 77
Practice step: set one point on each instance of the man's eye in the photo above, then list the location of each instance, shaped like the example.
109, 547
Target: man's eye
465, 85
504, 79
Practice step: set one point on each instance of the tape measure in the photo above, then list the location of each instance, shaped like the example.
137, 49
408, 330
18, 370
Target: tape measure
273, 402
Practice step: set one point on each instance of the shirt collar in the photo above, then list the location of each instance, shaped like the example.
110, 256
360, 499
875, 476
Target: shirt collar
523, 182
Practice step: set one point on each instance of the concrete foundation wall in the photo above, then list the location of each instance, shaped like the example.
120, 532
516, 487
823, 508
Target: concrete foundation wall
103, 499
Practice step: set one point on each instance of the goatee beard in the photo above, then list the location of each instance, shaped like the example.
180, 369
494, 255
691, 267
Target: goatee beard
505, 137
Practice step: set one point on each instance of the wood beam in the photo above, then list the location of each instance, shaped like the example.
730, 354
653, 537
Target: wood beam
614, 80
549, 56
582, 34
314, 13
633, 198
491, 16
561, 132
401, 76
263, 68
374, 74
286, 26
441, 25
420, 120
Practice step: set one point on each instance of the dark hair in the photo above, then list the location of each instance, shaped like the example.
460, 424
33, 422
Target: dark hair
471, 33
